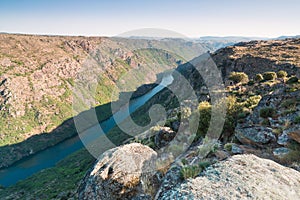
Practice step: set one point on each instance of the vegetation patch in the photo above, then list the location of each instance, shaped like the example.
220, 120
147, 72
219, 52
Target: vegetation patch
267, 112
269, 76
239, 77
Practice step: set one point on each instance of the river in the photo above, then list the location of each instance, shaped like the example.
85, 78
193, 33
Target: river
52, 155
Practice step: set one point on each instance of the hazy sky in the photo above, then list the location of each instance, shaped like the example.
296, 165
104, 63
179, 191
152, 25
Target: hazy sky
193, 18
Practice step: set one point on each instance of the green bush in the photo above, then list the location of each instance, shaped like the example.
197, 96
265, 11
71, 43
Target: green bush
259, 78
190, 171
268, 76
297, 120
252, 101
184, 161
204, 164
282, 74
292, 80
204, 109
193, 170
267, 112
228, 146
239, 77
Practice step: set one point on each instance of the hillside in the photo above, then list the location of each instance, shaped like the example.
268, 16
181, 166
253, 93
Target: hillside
37, 74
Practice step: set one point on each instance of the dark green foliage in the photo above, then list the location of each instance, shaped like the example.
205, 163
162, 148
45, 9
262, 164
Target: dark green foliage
251, 82
239, 77
297, 120
292, 80
204, 164
184, 161
267, 112
268, 76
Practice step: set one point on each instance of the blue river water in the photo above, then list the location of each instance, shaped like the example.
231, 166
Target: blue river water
52, 155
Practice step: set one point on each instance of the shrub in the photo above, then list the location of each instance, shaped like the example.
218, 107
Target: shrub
289, 103
204, 109
233, 108
193, 170
190, 171
252, 102
228, 146
184, 161
266, 112
282, 74
239, 77
204, 164
265, 122
297, 120
292, 80
259, 78
268, 76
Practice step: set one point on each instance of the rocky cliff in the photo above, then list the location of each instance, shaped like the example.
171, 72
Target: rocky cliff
262, 124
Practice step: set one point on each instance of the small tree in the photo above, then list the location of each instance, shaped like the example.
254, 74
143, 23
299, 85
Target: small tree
239, 77
268, 76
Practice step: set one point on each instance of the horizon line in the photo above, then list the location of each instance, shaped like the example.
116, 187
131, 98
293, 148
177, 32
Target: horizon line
141, 36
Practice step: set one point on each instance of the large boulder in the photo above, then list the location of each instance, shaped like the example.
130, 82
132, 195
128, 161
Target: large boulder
240, 177
125, 172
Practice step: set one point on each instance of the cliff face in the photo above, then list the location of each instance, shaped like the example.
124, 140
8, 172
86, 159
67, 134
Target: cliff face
37, 74
259, 56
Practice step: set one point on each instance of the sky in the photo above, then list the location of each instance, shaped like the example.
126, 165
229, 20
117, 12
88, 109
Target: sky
191, 18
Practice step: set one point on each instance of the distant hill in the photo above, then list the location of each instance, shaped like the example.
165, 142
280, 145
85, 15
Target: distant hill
220, 42
286, 37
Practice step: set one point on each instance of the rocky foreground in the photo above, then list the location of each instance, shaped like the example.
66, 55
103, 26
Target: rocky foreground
124, 173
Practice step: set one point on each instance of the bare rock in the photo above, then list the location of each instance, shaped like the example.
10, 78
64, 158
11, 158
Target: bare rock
240, 177
283, 139
255, 135
281, 151
124, 172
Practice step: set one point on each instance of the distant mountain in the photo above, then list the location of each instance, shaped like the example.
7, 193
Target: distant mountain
230, 38
220, 42
286, 37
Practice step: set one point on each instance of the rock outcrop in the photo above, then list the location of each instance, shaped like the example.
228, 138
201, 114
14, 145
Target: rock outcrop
125, 172
240, 177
